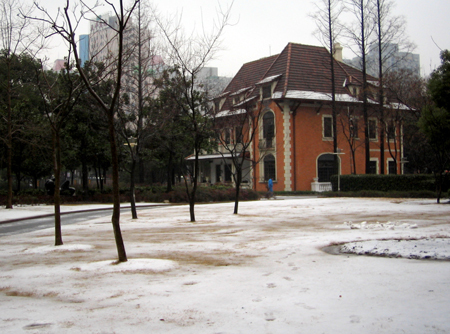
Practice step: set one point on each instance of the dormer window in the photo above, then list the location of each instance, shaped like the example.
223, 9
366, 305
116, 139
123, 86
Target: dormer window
267, 85
216, 105
266, 91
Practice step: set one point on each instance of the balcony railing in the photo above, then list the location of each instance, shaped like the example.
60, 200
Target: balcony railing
321, 186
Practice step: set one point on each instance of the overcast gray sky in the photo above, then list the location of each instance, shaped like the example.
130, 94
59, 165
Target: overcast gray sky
263, 28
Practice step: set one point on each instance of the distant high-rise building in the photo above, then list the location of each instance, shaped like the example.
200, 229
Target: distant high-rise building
140, 58
393, 60
84, 48
59, 64
209, 78
103, 44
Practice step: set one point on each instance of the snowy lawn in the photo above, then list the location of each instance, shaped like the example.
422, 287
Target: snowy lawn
262, 271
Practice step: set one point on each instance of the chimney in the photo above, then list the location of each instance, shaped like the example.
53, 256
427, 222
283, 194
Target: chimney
338, 52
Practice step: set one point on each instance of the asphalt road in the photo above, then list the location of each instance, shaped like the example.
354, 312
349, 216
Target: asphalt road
33, 224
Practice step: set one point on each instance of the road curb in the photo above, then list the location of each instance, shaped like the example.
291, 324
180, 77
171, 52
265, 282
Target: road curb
75, 211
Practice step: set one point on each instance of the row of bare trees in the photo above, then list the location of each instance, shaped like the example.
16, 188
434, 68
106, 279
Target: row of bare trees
130, 106
364, 26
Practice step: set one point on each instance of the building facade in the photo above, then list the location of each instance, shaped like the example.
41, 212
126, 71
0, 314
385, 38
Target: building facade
294, 144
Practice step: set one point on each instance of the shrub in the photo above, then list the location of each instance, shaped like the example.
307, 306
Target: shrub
156, 194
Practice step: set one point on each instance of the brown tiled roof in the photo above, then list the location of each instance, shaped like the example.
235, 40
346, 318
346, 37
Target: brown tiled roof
249, 74
300, 68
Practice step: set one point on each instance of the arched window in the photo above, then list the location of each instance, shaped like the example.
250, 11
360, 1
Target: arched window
268, 129
269, 168
327, 165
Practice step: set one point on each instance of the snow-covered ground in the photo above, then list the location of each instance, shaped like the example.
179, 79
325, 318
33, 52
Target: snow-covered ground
262, 271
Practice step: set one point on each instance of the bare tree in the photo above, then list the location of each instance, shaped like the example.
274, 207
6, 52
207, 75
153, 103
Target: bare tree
409, 90
390, 35
349, 125
328, 31
190, 54
236, 131
60, 93
65, 24
18, 36
141, 65
359, 34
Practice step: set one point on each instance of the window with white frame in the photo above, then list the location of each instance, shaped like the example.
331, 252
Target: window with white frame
390, 130
269, 167
354, 130
327, 127
392, 167
268, 129
373, 167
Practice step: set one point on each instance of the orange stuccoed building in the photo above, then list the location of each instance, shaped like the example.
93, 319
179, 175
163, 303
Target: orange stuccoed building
295, 140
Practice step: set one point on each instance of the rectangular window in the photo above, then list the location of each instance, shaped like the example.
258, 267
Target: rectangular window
218, 173
226, 137
269, 168
238, 134
392, 167
372, 129
268, 130
227, 173
372, 167
327, 127
354, 128
390, 131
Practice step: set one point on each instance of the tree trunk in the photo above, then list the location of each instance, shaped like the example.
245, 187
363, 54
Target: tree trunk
238, 191
438, 178
191, 207
141, 168
132, 190
9, 148
84, 178
97, 176
381, 92
333, 81
194, 185
103, 179
364, 92
18, 180
115, 220
57, 195
170, 173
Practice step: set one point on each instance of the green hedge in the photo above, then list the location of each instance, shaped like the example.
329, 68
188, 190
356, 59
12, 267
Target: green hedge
385, 194
143, 194
386, 183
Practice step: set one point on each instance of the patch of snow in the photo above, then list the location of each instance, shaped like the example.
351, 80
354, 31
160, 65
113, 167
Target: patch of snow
260, 271
62, 248
377, 226
268, 79
430, 249
153, 265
